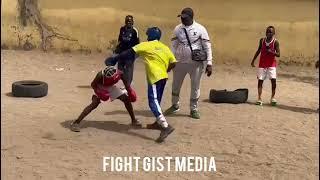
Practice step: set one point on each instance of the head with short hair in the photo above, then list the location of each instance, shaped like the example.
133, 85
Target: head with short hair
153, 33
186, 16
129, 21
270, 32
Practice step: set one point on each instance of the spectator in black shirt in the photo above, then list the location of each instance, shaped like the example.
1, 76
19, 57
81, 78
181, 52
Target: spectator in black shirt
128, 37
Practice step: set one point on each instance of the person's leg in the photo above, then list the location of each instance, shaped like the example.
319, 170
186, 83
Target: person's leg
129, 68
272, 72
260, 85
273, 87
125, 99
154, 105
179, 73
261, 75
160, 88
122, 66
195, 76
94, 104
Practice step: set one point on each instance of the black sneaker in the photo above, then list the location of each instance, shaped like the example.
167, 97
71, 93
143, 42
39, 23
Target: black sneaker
164, 133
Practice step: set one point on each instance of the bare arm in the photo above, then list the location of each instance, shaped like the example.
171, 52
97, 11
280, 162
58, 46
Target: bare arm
171, 66
96, 80
174, 44
257, 52
277, 48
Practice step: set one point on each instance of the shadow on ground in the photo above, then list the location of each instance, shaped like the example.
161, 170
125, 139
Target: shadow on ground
144, 113
305, 79
290, 108
108, 126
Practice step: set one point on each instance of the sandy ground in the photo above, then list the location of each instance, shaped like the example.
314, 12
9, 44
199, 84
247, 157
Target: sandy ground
247, 141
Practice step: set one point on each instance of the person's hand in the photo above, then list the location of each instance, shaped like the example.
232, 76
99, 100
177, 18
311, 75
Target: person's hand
110, 61
252, 64
271, 51
209, 70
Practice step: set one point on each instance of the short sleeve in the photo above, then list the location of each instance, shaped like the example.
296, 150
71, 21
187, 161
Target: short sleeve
140, 48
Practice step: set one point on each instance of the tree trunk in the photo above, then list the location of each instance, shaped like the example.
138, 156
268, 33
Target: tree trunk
29, 13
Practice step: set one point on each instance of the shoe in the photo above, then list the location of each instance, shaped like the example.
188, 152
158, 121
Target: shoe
154, 125
195, 114
171, 110
259, 103
273, 102
75, 127
164, 133
136, 124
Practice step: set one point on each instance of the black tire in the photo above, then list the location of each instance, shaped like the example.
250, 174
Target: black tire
29, 88
224, 96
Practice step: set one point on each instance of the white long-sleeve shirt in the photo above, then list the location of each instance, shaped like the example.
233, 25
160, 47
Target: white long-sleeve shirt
199, 39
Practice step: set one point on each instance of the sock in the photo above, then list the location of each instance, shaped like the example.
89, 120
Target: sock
162, 121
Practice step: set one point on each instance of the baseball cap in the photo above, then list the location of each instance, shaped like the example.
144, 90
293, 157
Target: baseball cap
186, 12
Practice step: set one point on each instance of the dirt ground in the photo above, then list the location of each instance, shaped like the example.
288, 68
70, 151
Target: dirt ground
247, 141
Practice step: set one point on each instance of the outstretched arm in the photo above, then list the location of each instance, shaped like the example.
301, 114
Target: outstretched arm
257, 53
111, 61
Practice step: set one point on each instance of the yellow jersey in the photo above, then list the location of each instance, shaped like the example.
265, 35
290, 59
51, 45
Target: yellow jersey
157, 57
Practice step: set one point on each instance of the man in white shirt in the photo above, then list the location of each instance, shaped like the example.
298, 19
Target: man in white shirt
186, 64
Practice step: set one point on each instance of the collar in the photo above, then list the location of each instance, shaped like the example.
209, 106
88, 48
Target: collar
187, 27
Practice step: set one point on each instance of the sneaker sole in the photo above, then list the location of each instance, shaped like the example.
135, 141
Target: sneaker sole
75, 130
160, 140
194, 117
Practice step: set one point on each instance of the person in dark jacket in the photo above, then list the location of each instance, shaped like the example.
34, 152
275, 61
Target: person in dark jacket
128, 37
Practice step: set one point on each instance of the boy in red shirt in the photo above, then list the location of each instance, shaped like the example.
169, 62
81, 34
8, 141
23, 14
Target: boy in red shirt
269, 49
106, 85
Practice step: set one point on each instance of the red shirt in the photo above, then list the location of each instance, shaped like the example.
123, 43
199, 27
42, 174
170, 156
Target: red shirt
266, 58
109, 81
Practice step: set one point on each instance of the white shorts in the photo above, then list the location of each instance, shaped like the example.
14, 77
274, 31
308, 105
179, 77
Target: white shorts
270, 72
115, 90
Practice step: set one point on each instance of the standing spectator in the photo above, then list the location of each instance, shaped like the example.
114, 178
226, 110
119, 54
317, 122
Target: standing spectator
268, 49
128, 37
189, 37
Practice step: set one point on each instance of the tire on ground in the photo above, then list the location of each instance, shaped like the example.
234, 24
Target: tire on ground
29, 88
224, 96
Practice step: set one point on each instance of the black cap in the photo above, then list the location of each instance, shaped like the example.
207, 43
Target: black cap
186, 12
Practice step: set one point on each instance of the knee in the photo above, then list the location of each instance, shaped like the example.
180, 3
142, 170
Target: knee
95, 102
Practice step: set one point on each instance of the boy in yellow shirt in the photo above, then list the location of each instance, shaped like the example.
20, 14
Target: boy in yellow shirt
158, 60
